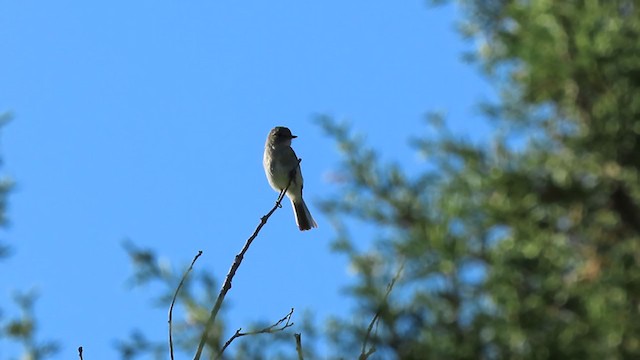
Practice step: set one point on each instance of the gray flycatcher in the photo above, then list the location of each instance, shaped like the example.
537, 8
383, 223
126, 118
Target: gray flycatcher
280, 163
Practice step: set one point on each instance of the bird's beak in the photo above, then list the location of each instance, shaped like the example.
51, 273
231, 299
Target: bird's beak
293, 136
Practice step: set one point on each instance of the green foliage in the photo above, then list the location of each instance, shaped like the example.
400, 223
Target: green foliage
527, 247
22, 329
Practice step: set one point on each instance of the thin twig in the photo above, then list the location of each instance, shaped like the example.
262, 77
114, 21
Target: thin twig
234, 267
299, 346
80, 352
268, 330
364, 353
173, 301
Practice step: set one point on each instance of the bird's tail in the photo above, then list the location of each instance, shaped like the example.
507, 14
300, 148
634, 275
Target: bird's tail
304, 220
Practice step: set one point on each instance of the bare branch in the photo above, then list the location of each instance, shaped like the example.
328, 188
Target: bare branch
80, 352
173, 301
299, 346
235, 265
364, 353
270, 329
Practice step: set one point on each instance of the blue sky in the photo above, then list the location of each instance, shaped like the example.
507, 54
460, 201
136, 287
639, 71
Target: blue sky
146, 120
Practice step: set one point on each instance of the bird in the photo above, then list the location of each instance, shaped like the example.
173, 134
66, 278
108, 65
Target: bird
281, 165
